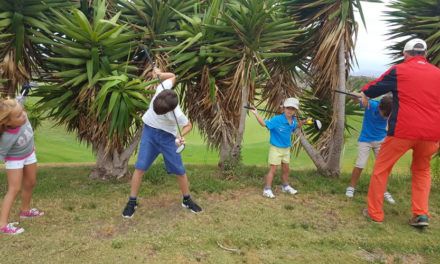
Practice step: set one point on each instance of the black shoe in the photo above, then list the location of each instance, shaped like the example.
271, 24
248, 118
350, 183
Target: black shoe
129, 209
188, 203
419, 221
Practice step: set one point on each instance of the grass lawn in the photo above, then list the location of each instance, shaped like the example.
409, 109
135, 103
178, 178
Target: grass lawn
83, 222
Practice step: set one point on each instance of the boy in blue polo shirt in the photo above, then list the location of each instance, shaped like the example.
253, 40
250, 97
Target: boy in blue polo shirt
281, 128
372, 134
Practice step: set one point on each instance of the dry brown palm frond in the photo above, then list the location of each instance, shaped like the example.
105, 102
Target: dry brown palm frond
160, 61
224, 111
280, 86
201, 108
15, 74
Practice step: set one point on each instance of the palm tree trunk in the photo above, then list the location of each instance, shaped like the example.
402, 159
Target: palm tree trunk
333, 168
113, 165
236, 154
232, 152
225, 153
314, 154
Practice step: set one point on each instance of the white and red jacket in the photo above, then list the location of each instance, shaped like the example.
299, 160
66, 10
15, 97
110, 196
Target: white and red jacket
415, 85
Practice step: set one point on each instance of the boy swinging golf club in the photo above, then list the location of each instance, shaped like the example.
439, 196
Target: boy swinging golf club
178, 142
160, 135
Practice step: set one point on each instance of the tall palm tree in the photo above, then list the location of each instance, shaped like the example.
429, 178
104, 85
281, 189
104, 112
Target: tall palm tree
220, 55
332, 29
19, 55
92, 89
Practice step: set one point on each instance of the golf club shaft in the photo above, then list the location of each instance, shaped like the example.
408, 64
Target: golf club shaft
160, 81
350, 94
263, 110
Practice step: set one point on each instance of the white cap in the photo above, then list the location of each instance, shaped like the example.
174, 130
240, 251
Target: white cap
410, 45
291, 102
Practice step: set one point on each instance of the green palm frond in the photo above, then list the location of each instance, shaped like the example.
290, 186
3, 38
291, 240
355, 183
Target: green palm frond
414, 19
93, 88
20, 56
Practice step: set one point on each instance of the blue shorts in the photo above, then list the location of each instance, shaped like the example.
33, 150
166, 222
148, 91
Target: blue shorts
155, 141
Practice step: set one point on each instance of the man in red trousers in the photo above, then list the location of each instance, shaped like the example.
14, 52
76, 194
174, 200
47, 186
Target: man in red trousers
414, 124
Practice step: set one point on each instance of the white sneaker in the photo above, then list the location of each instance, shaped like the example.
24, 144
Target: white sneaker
289, 189
268, 193
389, 198
349, 192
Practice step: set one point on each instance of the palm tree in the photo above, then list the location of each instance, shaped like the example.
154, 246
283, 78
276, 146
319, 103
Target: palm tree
221, 56
92, 89
20, 56
330, 27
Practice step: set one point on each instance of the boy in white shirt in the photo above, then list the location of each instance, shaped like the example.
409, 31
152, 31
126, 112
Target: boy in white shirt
160, 136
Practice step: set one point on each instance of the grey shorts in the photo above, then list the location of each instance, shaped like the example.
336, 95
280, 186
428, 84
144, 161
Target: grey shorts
364, 149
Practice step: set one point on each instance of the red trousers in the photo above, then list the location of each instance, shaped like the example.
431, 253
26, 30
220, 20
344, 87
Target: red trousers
391, 150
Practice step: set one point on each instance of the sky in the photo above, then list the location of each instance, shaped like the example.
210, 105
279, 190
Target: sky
371, 45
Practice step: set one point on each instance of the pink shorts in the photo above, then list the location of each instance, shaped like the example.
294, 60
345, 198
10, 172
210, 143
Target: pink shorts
19, 164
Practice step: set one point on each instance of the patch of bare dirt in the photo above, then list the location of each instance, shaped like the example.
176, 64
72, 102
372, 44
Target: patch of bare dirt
382, 257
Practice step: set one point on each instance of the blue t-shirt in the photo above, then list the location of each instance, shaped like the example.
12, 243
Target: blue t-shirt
374, 125
280, 130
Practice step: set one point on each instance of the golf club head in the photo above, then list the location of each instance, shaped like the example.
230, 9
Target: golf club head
318, 124
180, 149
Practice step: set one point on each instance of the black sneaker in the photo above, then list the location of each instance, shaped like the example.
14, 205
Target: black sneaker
188, 203
129, 209
419, 221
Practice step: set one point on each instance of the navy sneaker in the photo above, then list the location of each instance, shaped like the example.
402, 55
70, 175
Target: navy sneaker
188, 203
129, 209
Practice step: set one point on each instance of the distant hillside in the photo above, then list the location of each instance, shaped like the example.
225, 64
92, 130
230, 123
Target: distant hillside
355, 83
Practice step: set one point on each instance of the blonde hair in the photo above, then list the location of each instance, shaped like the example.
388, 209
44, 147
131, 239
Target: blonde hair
6, 107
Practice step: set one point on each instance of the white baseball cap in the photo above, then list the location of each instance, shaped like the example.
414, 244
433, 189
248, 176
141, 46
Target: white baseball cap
291, 102
410, 45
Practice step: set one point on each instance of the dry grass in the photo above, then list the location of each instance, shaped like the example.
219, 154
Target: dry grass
83, 222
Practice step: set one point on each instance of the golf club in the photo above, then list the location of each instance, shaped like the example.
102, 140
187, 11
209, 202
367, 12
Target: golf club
180, 148
317, 124
263, 110
350, 94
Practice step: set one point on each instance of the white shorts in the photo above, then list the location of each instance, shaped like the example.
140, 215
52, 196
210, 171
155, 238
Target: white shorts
364, 151
19, 164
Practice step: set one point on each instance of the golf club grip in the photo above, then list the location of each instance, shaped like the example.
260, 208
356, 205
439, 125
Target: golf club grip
350, 94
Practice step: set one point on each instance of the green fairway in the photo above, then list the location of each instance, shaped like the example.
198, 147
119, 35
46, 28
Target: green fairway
54, 145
